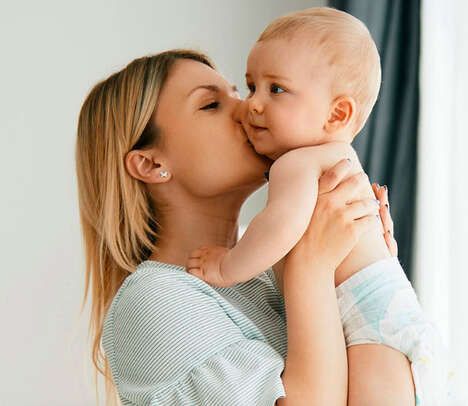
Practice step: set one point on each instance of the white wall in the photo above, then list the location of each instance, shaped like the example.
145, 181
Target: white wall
442, 222
52, 52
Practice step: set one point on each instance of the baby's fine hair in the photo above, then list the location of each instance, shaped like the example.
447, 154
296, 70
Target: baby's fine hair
345, 44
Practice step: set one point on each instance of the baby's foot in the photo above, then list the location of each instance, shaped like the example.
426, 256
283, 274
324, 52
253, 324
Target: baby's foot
205, 263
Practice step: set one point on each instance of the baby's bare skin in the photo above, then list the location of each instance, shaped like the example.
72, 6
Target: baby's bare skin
293, 116
280, 225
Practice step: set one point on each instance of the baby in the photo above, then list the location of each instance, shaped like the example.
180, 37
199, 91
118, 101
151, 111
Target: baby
314, 77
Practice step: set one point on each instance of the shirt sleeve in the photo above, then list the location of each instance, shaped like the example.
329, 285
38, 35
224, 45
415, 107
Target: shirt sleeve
173, 344
378, 305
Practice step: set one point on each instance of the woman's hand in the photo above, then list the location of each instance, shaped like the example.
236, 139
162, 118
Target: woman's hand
340, 217
381, 193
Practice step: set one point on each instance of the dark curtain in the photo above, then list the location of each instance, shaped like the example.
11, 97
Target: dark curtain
387, 144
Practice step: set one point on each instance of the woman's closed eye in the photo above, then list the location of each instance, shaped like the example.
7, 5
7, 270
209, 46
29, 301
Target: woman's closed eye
251, 88
212, 105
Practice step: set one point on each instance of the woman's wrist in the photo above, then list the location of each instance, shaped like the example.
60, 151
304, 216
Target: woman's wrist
315, 368
306, 256
305, 262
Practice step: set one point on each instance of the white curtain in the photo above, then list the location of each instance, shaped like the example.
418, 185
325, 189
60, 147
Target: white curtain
441, 270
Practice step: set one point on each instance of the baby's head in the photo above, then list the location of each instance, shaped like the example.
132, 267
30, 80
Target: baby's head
313, 76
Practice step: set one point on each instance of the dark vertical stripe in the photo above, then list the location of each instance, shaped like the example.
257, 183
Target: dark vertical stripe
387, 146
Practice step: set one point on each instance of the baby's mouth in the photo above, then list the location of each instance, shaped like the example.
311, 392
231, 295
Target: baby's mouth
257, 127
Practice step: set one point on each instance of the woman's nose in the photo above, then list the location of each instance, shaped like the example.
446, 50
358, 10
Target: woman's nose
240, 110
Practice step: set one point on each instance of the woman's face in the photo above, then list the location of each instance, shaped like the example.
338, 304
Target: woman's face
205, 146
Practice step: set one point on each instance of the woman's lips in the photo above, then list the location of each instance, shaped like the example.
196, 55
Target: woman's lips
247, 139
249, 143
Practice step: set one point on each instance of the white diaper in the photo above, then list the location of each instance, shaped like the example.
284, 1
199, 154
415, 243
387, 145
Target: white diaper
378, 305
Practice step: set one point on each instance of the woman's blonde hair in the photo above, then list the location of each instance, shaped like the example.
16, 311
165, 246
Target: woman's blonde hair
118, 220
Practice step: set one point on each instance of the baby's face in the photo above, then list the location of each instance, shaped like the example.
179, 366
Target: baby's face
290, 96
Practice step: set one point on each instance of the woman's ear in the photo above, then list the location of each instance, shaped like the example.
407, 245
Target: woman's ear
145, 166
342, 111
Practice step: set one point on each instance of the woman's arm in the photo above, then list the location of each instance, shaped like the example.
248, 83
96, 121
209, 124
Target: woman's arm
316, 367
379, 375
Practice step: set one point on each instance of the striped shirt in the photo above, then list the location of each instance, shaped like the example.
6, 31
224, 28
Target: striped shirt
172, 339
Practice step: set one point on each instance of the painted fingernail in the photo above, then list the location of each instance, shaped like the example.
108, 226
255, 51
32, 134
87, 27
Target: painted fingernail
386, 205
385, 187
388, 232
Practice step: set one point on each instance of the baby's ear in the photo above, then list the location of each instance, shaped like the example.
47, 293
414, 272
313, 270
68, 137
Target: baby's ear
341, 114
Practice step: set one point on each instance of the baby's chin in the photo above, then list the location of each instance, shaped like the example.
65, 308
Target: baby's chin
274, 155
268, 151
266, 146
261, 148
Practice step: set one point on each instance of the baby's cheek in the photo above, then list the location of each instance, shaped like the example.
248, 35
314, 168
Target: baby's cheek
292, 132
282, 120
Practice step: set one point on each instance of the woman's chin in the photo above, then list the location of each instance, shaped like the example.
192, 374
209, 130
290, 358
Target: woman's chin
259, 164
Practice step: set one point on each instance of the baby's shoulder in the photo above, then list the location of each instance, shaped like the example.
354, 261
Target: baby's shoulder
334, 149
322, 156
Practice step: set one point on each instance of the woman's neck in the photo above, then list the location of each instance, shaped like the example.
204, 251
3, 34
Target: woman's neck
196, 223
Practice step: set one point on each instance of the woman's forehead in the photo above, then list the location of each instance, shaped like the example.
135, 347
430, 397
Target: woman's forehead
180, 93
187, 75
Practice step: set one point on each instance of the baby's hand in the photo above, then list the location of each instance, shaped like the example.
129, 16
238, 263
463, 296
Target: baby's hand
205, 263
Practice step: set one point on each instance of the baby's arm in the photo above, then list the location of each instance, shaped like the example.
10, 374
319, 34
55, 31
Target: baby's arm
292, 194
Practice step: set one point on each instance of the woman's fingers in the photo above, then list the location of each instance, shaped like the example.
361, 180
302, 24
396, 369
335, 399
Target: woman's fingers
381, 193
391, 244
365, 224
353, 187
375, 188
386, 219
332, 177
362, 208
388, 223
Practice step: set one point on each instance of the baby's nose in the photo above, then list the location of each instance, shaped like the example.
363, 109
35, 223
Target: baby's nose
255, 105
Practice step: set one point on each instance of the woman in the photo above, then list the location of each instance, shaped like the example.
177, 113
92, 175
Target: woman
164, 166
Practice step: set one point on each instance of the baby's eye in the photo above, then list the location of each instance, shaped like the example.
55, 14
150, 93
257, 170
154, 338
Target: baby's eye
251, 88
213, 105
276, 89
